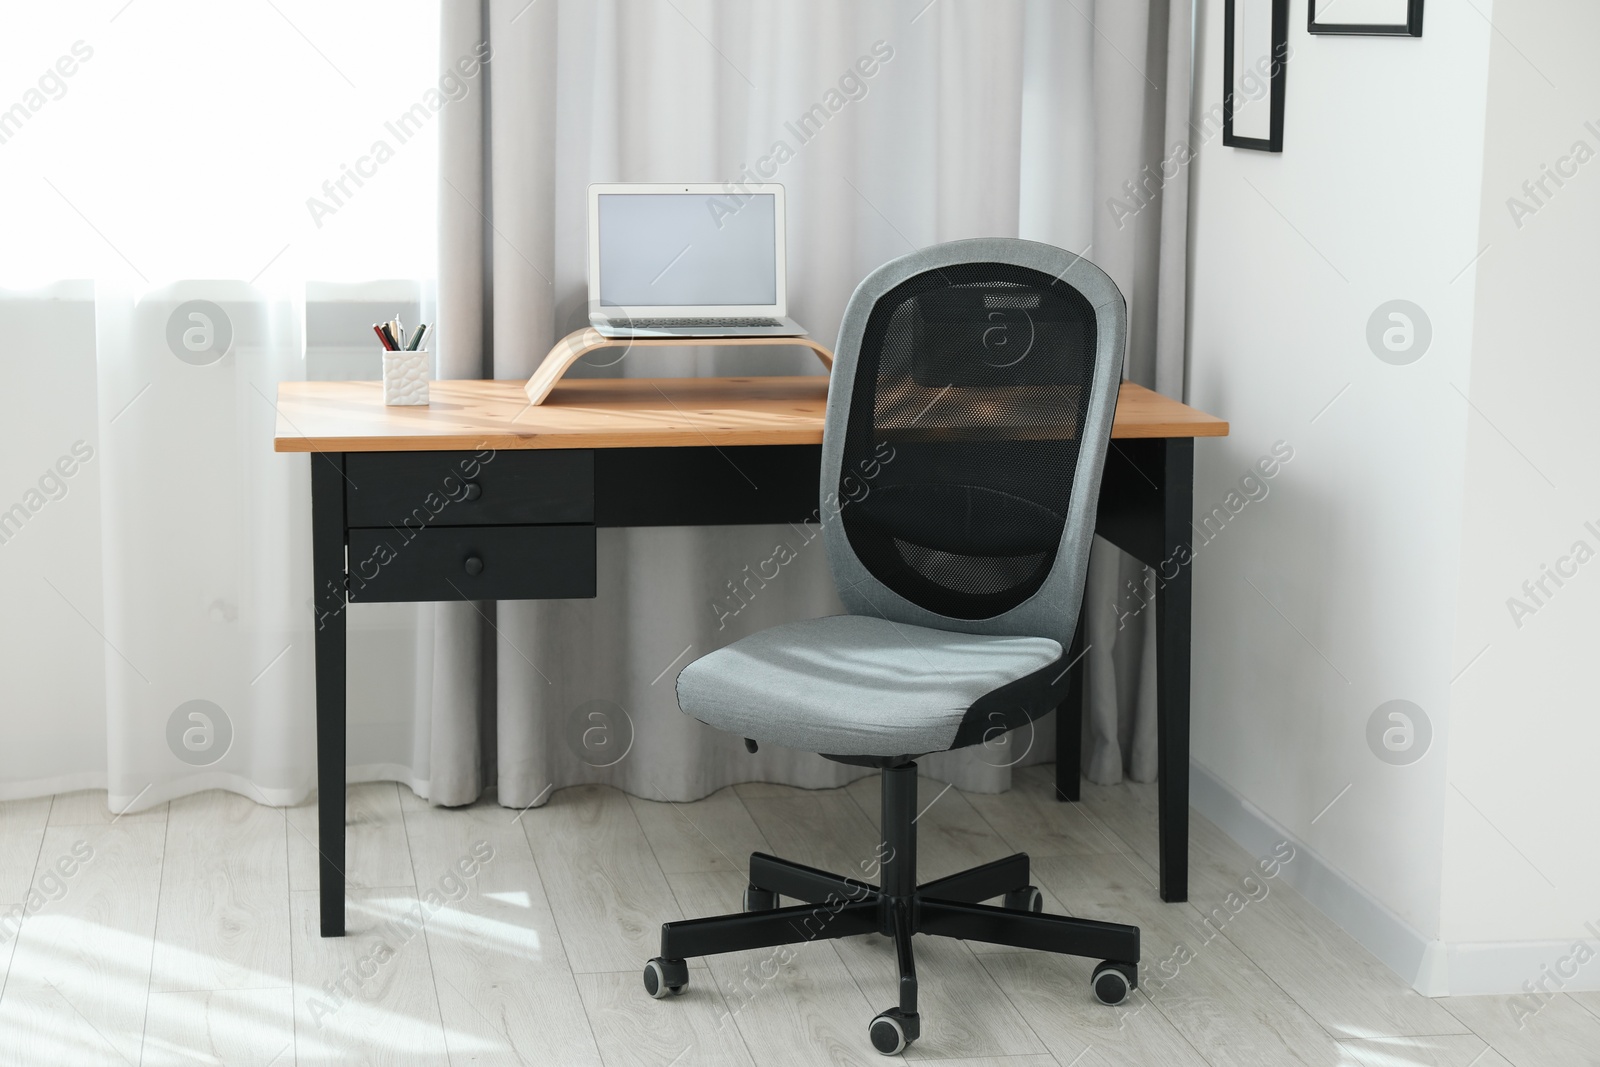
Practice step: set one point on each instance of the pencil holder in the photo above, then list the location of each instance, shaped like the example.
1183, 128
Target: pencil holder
405, 379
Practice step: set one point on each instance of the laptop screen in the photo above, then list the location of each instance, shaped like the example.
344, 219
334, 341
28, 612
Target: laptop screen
687, 249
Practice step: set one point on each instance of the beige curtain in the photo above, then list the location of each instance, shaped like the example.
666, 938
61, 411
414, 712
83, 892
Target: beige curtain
951, 119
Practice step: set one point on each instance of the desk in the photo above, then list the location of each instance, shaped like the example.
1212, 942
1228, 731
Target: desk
483, 496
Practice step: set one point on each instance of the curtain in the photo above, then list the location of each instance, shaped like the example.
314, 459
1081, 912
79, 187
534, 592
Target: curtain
202, 538
178, 178
938, 121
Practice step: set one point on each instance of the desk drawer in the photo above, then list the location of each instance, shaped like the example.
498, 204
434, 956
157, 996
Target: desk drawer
472, 563
488, 488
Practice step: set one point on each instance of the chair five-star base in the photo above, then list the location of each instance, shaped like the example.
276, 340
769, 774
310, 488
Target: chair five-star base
837, 906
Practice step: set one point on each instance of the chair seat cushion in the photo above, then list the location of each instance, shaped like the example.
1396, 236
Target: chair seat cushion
852, 685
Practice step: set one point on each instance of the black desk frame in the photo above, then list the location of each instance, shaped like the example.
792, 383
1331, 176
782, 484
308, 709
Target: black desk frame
1146, 500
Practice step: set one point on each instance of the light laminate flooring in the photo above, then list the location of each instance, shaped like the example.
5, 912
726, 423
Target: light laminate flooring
188, 935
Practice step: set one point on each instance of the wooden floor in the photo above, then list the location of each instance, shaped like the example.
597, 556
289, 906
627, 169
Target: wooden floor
188, 934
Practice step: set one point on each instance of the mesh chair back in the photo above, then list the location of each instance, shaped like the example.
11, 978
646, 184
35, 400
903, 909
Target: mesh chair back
973, 391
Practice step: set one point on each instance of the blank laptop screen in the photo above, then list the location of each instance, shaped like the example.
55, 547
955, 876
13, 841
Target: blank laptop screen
678, 249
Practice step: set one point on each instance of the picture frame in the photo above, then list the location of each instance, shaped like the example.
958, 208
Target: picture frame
1255, 54
1365, 18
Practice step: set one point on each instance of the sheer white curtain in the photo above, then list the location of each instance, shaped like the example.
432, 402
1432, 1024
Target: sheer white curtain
204, 531
892, 126
194, 165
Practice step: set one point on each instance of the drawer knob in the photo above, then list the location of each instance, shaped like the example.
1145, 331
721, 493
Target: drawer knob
473, 566
473, 491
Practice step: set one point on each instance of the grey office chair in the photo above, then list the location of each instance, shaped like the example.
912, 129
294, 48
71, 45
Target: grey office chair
973, 390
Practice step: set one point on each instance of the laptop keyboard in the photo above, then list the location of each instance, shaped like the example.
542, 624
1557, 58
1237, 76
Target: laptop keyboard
676, 324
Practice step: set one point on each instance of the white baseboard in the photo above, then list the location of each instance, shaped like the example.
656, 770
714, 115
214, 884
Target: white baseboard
1523, 966
1434, 968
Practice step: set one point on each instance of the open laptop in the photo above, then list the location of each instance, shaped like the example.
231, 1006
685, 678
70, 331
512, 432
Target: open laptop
687, 261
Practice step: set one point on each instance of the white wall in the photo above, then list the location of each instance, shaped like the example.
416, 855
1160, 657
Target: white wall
1338, 591
1521, 873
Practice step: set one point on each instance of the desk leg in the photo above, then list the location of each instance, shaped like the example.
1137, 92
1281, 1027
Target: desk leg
1172, 668
328, 576
1069, 722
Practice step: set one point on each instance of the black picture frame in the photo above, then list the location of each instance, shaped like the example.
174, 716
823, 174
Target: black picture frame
1273, 142
1412, 27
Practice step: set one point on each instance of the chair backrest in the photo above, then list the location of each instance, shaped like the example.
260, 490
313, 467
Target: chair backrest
974, 385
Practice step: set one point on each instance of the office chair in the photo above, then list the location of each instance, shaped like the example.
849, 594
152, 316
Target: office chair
968, 417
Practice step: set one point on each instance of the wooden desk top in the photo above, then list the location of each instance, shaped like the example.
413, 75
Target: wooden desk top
616, 413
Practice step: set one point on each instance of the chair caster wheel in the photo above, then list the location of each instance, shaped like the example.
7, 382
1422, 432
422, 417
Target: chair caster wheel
1113, 981
664, 978
893, 1030
1028, 898
759, 899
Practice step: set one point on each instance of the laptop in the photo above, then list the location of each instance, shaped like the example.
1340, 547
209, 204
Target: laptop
687, 261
